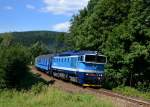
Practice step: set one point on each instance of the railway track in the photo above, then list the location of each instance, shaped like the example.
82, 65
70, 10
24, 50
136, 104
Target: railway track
131, 101
116, 98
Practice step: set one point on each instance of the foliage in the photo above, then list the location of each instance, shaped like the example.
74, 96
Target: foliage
49, 97
132, 92
37, 49
37, 42
49, 39
13, 66
6, 40
120, 29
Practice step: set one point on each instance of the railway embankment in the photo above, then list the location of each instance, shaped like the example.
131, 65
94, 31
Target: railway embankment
117, 99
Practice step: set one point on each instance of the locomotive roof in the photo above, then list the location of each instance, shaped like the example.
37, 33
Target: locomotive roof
45, 56
70, 53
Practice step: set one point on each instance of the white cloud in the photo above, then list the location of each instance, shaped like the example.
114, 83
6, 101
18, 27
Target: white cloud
29, 6
62, 27
8, 8
64, 6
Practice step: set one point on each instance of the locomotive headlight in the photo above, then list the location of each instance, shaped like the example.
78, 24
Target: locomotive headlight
100, 75
86, 74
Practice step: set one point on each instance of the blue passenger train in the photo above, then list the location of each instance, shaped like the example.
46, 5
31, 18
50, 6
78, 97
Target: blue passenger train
83, 67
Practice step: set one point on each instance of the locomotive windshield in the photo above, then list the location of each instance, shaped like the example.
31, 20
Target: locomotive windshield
96, 59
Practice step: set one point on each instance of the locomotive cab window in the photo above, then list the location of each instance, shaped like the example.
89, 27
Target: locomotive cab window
96, 59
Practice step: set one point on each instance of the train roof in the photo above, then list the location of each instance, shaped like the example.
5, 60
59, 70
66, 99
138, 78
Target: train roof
45, 56
70, 53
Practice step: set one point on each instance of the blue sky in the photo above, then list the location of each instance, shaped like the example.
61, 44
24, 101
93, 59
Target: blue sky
28, 15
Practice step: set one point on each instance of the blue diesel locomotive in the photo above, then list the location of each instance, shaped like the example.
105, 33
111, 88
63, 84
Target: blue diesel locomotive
83, 67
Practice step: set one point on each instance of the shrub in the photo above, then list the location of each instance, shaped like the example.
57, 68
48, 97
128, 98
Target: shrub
13, 66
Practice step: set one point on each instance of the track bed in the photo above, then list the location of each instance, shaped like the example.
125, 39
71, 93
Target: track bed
117, 99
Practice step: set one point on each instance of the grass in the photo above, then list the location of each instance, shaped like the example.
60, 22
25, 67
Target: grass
43, 96
132, 92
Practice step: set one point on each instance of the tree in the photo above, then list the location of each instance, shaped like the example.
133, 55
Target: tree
37, 49
120, 29
6, 39
13, 66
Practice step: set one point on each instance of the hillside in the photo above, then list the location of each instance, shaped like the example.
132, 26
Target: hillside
49, 38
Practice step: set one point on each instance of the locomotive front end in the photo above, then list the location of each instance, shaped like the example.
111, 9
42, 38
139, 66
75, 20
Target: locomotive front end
93, 67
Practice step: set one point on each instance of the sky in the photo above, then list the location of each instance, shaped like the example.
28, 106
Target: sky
34, 15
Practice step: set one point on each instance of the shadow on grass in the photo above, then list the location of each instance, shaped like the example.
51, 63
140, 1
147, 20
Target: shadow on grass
32, 79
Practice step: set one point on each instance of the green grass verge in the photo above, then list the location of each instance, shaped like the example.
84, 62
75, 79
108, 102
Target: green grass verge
132, 92
42, 96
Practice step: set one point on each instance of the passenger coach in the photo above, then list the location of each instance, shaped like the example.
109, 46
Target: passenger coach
83, 67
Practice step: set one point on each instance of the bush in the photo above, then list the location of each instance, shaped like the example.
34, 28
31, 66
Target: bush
13, 66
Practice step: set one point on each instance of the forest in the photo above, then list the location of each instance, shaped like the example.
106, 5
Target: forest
120, 29
19, 49
49, 39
